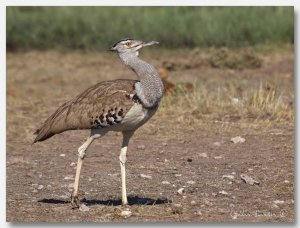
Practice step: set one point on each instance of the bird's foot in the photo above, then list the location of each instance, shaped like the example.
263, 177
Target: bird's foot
75, 202
124, 202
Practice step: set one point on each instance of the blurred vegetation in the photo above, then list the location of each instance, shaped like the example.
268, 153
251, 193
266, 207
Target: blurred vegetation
97, 28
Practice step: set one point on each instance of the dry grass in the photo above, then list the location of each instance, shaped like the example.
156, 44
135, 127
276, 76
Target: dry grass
259, 104
258, 94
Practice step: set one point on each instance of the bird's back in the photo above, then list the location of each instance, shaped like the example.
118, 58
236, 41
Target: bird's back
100, 106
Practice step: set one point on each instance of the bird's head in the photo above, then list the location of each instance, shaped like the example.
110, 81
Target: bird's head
129, 45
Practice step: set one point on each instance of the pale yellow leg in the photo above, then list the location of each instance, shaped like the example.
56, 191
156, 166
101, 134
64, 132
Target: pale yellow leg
126, 137
81, 154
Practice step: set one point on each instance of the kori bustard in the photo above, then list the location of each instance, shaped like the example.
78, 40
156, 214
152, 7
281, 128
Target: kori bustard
118, 105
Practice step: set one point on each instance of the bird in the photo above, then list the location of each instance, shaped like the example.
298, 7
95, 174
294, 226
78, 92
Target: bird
121, 105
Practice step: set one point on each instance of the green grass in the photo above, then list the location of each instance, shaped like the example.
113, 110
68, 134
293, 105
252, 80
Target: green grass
97, 28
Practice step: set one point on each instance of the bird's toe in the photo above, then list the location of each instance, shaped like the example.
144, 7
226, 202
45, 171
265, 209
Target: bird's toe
75, 202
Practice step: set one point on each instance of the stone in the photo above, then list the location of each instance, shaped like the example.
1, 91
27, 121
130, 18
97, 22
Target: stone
69, 177
84, 208
230, 177
146, 176
217, 143
193, 203
224, 193
249, 180
237, 139
278, 202
126, 213
40, 187
203, 155
180, 191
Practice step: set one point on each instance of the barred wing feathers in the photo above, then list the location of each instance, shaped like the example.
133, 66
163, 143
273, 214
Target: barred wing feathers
100, 106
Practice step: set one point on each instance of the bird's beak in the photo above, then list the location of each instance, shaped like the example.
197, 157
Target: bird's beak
145, 44
112, 49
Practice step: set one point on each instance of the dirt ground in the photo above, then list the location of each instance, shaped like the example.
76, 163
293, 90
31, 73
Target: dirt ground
170, 152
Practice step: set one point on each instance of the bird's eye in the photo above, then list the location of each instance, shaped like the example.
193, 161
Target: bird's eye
128, 44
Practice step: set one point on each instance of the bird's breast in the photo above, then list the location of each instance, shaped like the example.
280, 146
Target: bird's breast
136, 116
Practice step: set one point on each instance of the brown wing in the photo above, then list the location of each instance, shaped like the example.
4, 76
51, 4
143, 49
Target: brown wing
102, 105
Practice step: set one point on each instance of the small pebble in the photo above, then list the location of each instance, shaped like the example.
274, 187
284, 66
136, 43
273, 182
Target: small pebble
72, 164
189, 160
230, 177
207, 202
203, 155
218, 157
193, 202
180, 191
62, 155
178, 175
165, 182
84, 208
198, 212
217, 144
237, 139
224, 193
126, 214
35, 191
146, 176
191, 182
164, 144
234, 215
231, 205
70, 177
286, 181
40, 187
249, 180
278, 201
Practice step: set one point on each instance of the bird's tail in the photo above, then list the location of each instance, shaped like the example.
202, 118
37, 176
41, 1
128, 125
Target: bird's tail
42, 133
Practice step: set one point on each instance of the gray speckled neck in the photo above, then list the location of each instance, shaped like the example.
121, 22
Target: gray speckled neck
150, 89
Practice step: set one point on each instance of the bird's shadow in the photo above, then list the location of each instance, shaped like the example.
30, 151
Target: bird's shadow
132, 200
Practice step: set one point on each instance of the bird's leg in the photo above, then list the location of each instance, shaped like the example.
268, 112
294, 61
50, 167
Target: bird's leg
81, 154
126, 137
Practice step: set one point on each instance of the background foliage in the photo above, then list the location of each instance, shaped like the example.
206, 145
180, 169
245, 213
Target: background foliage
97, 28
